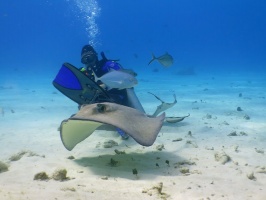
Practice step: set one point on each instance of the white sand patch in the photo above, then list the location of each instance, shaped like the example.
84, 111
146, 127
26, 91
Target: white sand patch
187, 169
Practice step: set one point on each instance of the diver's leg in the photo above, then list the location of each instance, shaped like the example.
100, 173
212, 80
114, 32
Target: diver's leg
132, 100
122, 134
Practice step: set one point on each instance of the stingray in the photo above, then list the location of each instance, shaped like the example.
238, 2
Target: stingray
175, 119
141, 127
164, 106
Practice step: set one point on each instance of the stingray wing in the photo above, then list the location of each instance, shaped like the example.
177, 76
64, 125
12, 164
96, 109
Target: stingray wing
74, 131
139, 126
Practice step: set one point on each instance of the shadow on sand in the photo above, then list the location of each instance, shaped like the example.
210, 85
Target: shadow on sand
148, 164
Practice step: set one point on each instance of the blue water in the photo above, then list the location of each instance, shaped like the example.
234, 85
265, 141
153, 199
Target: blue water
222, 41
209, 36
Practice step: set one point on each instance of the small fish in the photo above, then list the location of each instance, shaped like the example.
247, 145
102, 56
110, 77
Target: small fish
166, 60
117, 79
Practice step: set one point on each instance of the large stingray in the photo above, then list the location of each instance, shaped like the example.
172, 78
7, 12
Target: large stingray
142, 128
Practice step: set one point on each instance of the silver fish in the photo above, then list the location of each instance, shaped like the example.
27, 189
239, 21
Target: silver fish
166, 60
129, 71
117, 79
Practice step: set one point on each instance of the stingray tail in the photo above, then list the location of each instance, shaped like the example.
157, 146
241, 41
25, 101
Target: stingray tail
153, 58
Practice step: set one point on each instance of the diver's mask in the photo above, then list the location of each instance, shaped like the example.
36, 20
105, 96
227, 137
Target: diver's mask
89, 58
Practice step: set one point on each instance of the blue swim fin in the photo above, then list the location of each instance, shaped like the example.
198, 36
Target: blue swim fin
78, 87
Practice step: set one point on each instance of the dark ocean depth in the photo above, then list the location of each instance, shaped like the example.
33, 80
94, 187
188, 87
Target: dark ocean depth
203, 35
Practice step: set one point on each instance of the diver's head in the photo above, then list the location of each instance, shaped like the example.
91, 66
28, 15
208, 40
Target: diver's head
89, 56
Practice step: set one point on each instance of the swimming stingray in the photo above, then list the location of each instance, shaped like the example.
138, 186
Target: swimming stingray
164, 106
166, 60
142, 128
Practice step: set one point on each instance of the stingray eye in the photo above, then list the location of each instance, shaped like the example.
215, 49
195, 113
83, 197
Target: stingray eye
101, 108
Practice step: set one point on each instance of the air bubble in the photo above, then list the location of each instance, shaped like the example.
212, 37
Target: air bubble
89, 10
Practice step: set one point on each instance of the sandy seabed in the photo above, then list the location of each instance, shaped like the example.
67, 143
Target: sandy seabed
216, 153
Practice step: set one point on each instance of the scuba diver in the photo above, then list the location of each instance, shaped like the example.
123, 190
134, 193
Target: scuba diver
102, 103
94, 66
